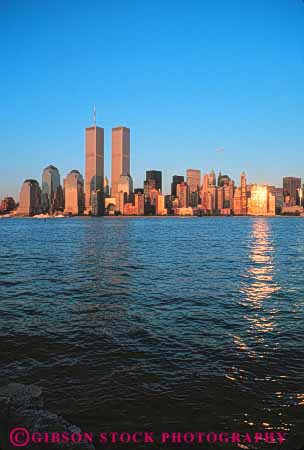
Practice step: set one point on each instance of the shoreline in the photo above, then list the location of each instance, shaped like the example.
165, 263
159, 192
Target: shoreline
152, 217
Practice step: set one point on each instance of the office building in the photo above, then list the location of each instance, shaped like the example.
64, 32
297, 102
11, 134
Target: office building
52, 194
29, 198
94, 170
291, 187
194, 183
74, 193
261, 202
182, 191
279, 197
120, 157
193, 179
160, 205
8, 204
154, 177
176, 179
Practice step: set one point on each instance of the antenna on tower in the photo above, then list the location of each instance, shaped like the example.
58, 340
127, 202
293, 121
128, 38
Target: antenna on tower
94, 115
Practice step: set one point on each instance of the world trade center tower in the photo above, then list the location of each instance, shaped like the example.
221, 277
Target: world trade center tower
94, 170
120, 157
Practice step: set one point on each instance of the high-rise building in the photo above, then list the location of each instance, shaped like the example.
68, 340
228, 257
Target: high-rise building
220, 198
160, 205
261, 201
154, 193
240, 207
228, 194
212, 179
155, 177
223, 180
124, 188
209, 193
50, 187
7, 204
120, 202
120, 157
291, 187
30, 198
194, 183
243, 194
182, 191
237, 202
176, 179
139, 203
205, 184
52, 195
279, 197
94, 170
212, 198
74, 193
193, 179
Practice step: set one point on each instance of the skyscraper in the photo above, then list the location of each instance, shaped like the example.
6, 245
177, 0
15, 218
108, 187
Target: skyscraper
176, 179
237, 202
74, 193
120, 157
212, 178
94, 170
194, 179
160, 205
51, 189
279, 197
183, 195
29, 198
261, 201
291, 186
155, 178
194, 183
243, 194
7, 204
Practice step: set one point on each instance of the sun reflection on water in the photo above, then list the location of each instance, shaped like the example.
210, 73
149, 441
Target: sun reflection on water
259, 284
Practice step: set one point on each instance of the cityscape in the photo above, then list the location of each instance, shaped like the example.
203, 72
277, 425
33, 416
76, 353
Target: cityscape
191, 194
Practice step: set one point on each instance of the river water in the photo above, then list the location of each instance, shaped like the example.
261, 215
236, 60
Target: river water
182, 324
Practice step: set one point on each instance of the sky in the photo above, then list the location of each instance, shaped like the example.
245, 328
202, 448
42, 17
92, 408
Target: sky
187, 77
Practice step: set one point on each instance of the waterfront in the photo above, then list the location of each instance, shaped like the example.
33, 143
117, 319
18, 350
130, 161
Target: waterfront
158, 325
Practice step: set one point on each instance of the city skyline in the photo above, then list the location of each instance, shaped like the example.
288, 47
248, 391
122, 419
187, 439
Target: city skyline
233, 81
126, 162
212, 194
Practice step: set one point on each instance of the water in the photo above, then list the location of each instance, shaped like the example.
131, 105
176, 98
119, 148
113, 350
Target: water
158, 324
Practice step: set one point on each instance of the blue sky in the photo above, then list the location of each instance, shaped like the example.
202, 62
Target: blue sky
188, 78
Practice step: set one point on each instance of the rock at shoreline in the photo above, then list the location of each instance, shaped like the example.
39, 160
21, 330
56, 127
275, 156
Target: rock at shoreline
22, 406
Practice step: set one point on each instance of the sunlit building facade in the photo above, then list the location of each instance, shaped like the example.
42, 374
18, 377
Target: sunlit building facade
52, 194
74, 193
120, 158
194, 183
182, 191
160, 205
94, 170
261, 201
30, 198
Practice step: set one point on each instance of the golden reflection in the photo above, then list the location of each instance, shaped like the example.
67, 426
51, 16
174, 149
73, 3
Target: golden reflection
300, 399
259, 284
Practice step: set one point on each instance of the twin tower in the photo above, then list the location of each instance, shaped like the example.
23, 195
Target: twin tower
94, 166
